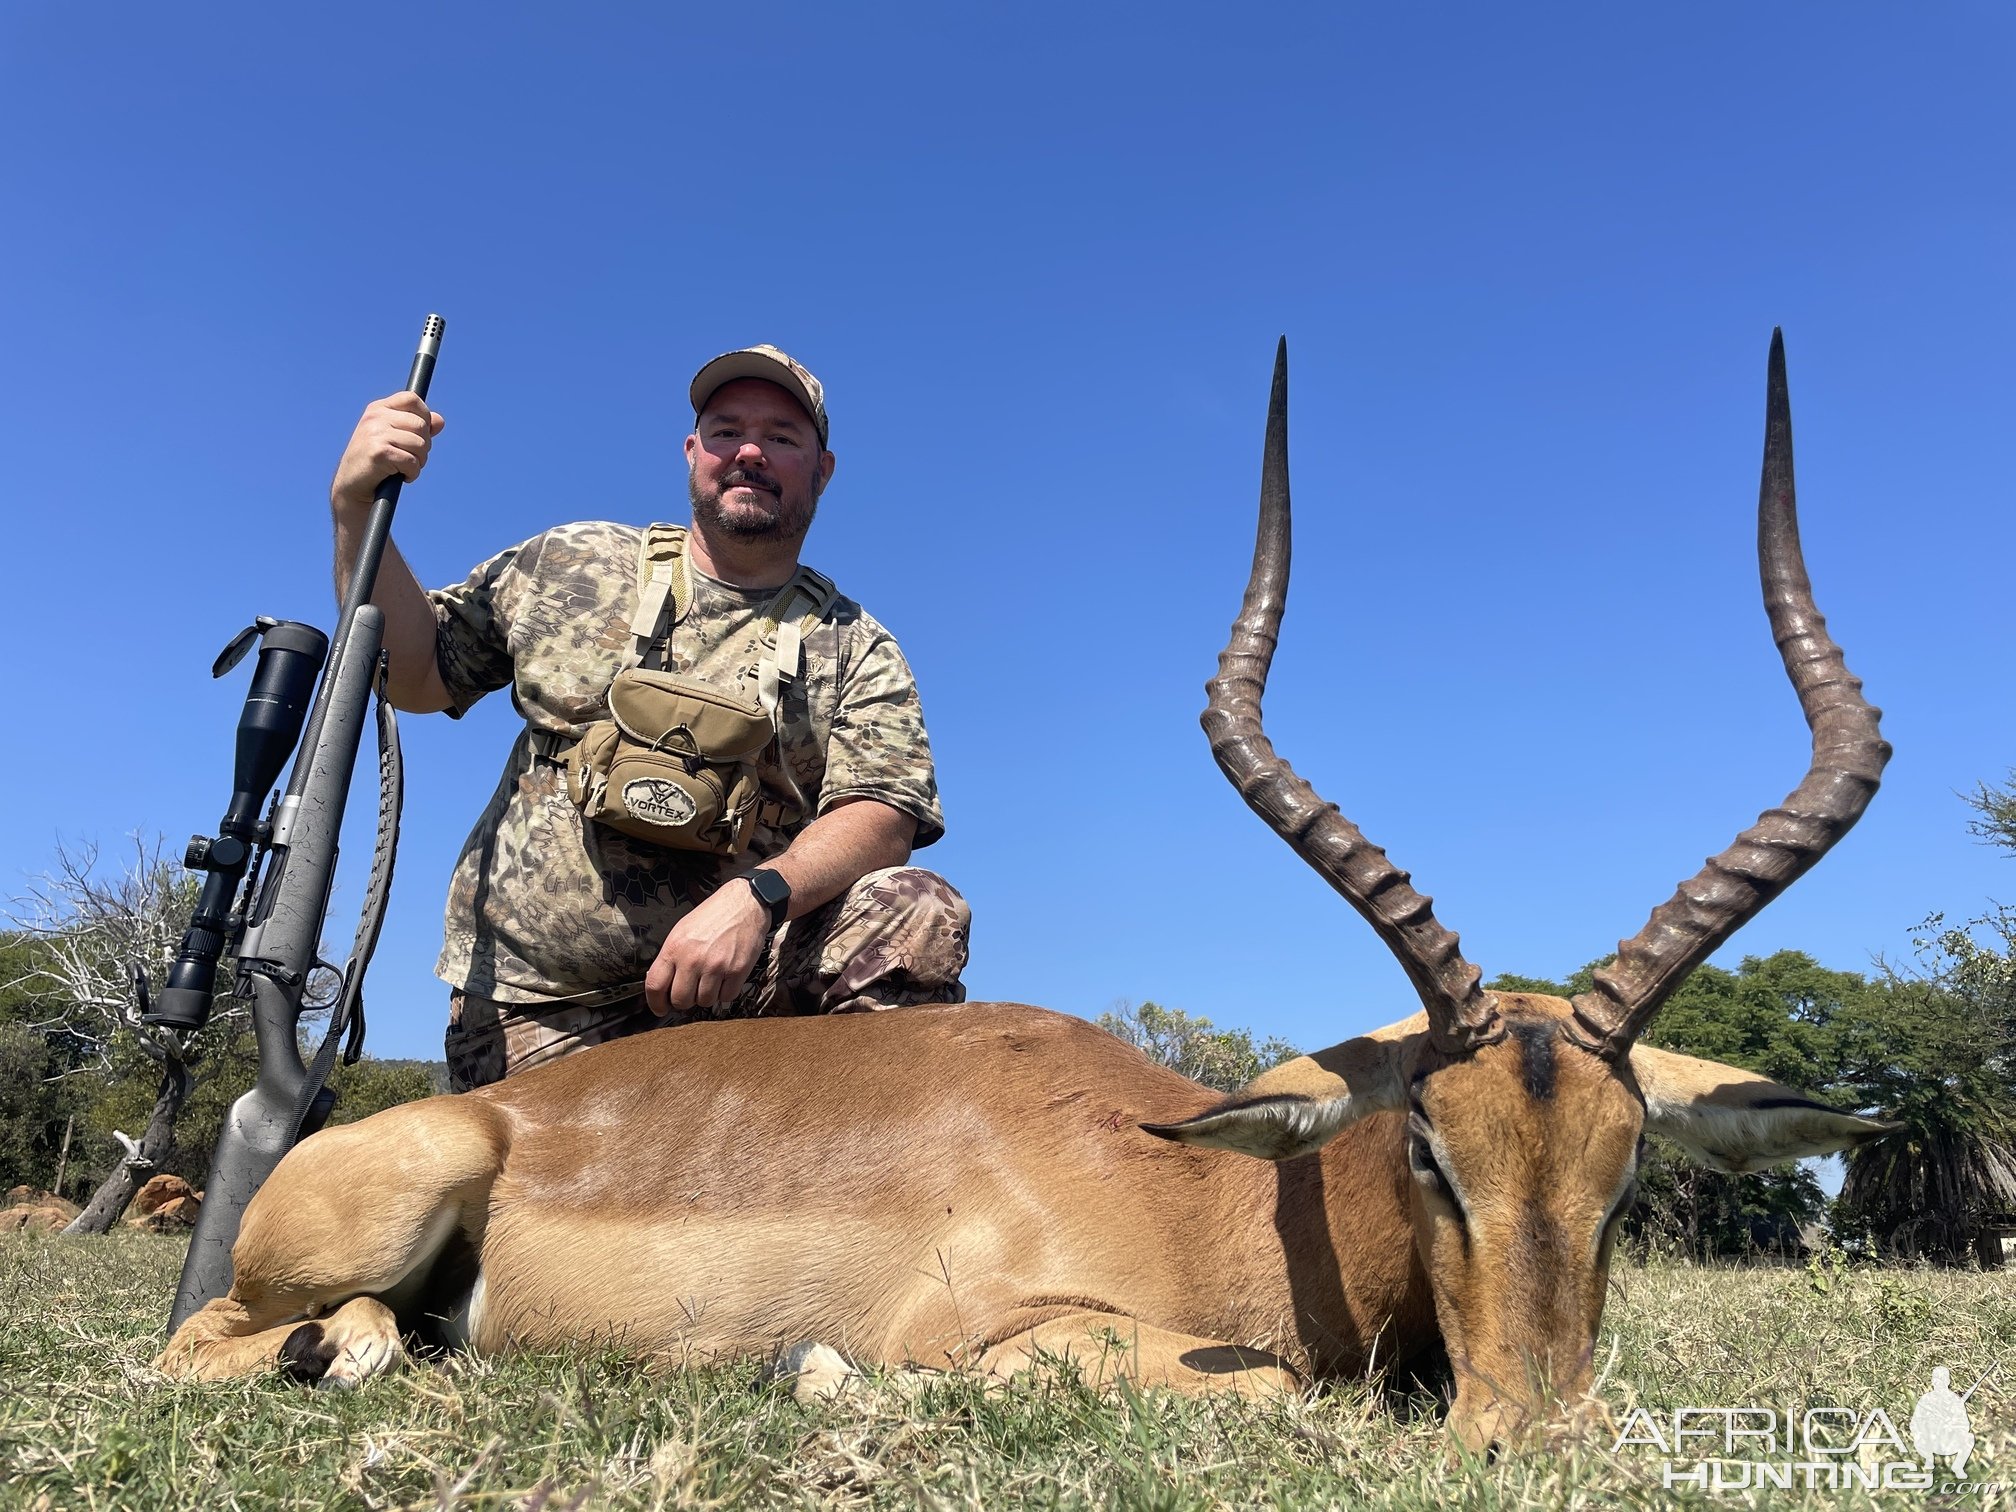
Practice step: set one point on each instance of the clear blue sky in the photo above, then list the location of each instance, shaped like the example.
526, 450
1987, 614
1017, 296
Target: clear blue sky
1528, 260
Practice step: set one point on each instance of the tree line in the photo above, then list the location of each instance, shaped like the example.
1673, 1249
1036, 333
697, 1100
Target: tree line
93, 1102
1929, 1041
1928, 1046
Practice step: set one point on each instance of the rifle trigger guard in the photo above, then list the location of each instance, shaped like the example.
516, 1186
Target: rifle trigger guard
328, 997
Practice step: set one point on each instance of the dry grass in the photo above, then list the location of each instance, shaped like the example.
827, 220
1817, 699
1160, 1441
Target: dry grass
85, 1424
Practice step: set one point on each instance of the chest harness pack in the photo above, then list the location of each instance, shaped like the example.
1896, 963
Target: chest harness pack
676, 761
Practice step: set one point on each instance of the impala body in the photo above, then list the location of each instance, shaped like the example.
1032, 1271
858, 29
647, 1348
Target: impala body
996, 1186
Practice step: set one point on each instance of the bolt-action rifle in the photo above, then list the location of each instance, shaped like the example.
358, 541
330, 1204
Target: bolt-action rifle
266, 886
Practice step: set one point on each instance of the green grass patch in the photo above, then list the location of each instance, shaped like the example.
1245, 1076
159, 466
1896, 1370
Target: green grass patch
84, 1423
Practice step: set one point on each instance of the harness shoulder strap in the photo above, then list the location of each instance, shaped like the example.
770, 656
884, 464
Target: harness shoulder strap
796, 611
798, 608
664, 581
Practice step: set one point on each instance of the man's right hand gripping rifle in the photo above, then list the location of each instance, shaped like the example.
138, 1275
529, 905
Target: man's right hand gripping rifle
393, 438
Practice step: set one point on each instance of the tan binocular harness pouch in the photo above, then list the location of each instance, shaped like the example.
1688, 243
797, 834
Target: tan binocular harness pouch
676, 761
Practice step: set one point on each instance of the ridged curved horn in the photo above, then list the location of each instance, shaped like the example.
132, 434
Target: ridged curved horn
1848, 757
1461, 1015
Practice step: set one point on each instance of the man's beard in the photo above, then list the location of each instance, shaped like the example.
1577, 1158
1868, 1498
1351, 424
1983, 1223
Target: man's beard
787, 522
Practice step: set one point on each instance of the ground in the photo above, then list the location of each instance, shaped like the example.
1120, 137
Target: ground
85, 1424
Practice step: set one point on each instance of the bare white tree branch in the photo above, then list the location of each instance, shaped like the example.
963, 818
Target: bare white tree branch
93, 928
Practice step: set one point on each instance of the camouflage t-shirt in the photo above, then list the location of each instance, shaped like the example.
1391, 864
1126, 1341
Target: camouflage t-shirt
548, 905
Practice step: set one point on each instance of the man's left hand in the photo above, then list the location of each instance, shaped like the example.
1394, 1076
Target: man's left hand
706, 959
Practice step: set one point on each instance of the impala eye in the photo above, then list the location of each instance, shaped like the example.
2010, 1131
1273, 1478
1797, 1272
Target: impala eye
1421, 1160
1630, 1193
1624, 1201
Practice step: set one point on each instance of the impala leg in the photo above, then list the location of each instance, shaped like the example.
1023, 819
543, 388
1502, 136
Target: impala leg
225, 1338
348, 1216
344, 1348
1106, 1347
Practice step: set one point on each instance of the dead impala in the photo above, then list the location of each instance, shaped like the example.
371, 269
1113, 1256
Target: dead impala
989, 1184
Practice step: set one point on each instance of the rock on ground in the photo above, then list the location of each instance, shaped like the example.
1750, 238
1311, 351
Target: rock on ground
157, 1194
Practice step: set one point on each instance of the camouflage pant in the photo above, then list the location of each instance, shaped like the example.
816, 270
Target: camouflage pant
893, 938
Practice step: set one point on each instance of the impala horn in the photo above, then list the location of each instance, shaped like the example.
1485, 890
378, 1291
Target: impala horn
1848, 757
1461, 1015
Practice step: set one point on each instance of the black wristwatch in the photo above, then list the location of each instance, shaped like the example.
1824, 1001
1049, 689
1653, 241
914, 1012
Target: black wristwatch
772, 891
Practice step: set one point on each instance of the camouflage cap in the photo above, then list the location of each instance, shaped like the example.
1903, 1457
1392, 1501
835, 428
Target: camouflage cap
772, 366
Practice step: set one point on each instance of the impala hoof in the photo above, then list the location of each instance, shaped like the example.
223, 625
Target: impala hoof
816, 1372
344, 1350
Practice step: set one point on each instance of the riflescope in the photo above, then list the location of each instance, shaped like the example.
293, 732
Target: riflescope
290, 659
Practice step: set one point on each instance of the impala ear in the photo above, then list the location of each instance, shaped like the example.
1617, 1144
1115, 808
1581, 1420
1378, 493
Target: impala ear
1737, 1120
1301, 1105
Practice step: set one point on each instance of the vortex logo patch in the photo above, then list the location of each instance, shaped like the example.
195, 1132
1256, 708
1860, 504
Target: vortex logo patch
659, 801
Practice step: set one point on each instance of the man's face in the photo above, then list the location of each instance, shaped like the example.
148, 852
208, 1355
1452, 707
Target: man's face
755, 466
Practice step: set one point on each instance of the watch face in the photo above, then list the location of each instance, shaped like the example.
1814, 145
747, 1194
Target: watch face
772, 889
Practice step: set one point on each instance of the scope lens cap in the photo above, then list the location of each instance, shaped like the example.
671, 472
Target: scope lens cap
234, 653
